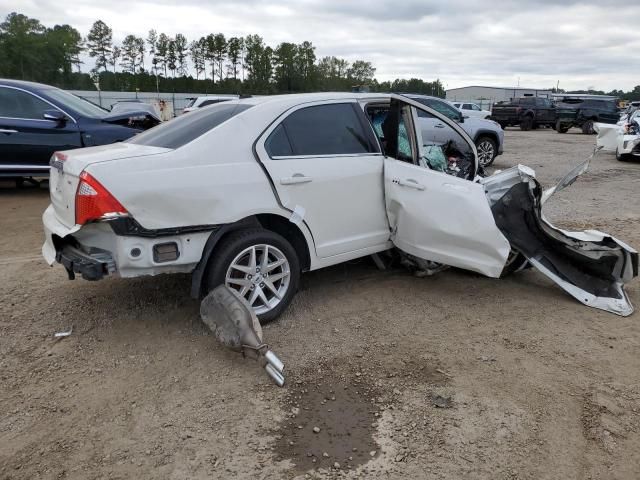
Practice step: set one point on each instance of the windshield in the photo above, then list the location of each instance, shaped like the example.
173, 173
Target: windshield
80, 105
182, 130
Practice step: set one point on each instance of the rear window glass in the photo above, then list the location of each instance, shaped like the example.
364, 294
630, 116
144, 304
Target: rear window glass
184, 129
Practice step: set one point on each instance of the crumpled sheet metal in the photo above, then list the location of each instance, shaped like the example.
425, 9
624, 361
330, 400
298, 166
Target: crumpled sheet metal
591, 266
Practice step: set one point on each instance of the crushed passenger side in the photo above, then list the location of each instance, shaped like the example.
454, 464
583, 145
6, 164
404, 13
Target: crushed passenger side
591, 266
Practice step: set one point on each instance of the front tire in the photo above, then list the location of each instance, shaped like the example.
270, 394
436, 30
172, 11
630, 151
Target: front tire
621, 157
487, 151
515, 262
260, 265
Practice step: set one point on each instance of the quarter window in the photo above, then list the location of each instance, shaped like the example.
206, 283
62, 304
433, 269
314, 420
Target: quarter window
332, 129
19, 104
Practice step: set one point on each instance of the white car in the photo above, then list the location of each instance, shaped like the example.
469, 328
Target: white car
252, 192
628, 141
622, 138
199, 102
472, 110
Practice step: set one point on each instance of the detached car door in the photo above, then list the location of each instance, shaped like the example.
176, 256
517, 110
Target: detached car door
326, 166
27, 139
436, 213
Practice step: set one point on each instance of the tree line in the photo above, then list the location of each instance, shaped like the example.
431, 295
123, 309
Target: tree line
209, 64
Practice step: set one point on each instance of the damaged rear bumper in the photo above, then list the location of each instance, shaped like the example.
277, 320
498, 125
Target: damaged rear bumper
91, 266
591, 266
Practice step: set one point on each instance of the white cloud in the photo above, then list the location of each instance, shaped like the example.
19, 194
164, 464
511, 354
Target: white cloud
578, 43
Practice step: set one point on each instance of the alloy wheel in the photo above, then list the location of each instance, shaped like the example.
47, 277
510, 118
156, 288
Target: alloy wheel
261, 275
485, 152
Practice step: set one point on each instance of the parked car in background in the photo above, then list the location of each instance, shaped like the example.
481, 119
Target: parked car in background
628, 141
583, 113
199, 102
486, 134
37, 120
471, 110
527, 112
302, 182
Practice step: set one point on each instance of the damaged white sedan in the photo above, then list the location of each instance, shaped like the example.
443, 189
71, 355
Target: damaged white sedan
252, 192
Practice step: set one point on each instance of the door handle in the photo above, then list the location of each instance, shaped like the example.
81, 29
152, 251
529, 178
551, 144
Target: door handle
296, 178
411, 183
439, 125
7, 130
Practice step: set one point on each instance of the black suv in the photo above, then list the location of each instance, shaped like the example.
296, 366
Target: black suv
584, 112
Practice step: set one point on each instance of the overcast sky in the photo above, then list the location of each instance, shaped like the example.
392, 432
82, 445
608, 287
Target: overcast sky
581, 44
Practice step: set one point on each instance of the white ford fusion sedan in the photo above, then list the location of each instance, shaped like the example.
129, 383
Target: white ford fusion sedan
252, 192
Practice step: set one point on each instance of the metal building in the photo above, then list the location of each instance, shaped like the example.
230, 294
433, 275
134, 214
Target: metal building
487, 96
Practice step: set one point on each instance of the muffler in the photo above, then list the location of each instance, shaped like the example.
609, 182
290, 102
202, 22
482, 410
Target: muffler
236, 326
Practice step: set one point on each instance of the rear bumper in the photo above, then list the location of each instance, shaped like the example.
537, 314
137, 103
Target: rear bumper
95, 250
90, 266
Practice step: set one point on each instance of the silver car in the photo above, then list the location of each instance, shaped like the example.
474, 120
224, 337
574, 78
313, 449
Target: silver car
487, 134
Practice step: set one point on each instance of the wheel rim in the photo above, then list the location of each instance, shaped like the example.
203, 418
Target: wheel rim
261, 274
485, 152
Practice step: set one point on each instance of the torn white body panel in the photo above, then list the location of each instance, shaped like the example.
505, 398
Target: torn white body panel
591, 266
607, 137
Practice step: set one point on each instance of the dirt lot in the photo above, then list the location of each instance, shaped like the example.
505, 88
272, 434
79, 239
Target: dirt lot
446, 377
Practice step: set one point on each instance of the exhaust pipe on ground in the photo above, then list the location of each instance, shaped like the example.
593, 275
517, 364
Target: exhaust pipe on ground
236, 326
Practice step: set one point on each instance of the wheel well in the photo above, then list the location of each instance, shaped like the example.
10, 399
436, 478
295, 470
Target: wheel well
274, 223
291, 232
492, 135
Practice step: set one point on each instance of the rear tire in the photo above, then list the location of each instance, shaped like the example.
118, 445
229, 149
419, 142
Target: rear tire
587, 128
526, 124
231, 264
561, 128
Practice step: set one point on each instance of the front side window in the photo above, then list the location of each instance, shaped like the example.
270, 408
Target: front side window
334, 129
185, 128
73, 102
475, 107
18, 104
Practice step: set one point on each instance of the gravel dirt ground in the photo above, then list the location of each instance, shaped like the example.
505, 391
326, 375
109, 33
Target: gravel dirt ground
446, 377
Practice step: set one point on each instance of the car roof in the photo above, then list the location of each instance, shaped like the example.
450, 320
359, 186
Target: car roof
24, 84
293, 99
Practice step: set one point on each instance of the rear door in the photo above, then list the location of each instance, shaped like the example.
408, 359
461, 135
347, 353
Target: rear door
326, 166
545, 111
436, 215
27, 139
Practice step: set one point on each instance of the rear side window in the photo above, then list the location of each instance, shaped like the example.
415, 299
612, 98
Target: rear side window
333, 129
184, 129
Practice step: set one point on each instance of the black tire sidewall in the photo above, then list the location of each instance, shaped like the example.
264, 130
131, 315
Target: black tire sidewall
526, 123
233, 244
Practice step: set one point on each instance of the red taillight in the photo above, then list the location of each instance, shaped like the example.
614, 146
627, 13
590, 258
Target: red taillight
94, 202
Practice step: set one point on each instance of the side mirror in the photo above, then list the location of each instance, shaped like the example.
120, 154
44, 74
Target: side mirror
461, 118
54, 116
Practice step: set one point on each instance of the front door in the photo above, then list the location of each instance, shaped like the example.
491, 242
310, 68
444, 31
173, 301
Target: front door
436, 214
27, 139
326, 166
